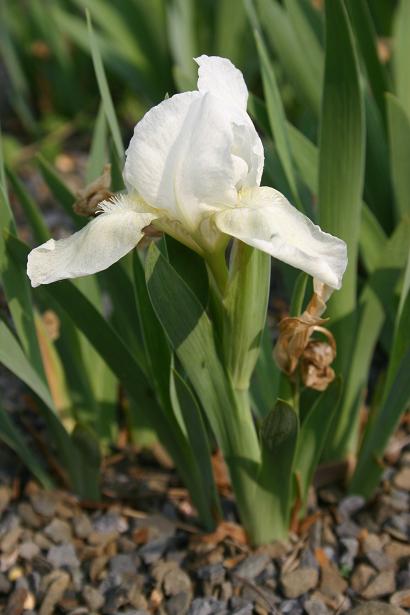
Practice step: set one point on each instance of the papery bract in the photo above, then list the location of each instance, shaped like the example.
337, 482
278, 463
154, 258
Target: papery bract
193, 170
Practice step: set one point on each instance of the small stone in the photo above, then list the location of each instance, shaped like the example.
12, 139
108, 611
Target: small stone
123, 564
376, 608
93, 598
42, 541
54, 593
15, 573
361, 577
213, 573
382, 585
82, 526
153, 550
380, 560
102, 538
178, 604
59, 531
350, 505
207, 606
63, 555
401, 598
10, 539
371, 542
30, 602
315, 607
332, 584
299, 581
15, 604
28, 550
397, 550
348, 529
5, 497
44, 503
5, 585
111, 522
177, 581
402, 479
352, 548
252, 566
291, 607
97, 566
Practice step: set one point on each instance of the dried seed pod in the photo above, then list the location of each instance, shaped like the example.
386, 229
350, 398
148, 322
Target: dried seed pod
92, 195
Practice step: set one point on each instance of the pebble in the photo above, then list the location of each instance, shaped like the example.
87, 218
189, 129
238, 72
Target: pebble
5, 585
10, 539
28, 516
361, 577
177, 581
178, 604
15, 604
348, 529
315, 607
4, 498
351, 546
93, 598
207, 606
376, 608
299, 581
61, 556
214, 573
82, 526
291, 607
59, 531
54, 593
379, 560
401, 598
402, 479
153, 550
332, 584
252, 566
382, 585
124, 564
28, 550
350, 505
44, 503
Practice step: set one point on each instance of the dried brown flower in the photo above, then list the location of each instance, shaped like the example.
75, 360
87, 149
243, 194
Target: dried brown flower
295, 348
92, 195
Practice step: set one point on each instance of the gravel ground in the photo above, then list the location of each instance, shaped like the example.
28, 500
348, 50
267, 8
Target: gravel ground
58, 555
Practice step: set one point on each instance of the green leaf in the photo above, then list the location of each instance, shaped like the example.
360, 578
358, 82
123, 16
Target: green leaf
15, 283
12, 437
182, 41
265, 379
279, 436
287, 34
59, 190
401, 53
30, 208
399, 139
366, 37
88, 449
98, 152
277, 117
198, 441
341, 151
104, 91
246, 303
313, 435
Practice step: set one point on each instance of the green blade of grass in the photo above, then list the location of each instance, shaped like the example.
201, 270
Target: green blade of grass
104, 91
401, 53
277, 118
399, 139
12, 437
341, 151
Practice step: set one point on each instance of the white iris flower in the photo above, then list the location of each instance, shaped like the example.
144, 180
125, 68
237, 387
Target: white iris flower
193, 170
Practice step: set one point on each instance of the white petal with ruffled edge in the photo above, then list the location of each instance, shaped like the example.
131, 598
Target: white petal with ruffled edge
221, 78
191, 154
102, 242
266, 220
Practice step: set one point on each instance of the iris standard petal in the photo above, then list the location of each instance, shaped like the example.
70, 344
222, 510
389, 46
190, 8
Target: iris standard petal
192, 153
266, 220
102, 242
221, 78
